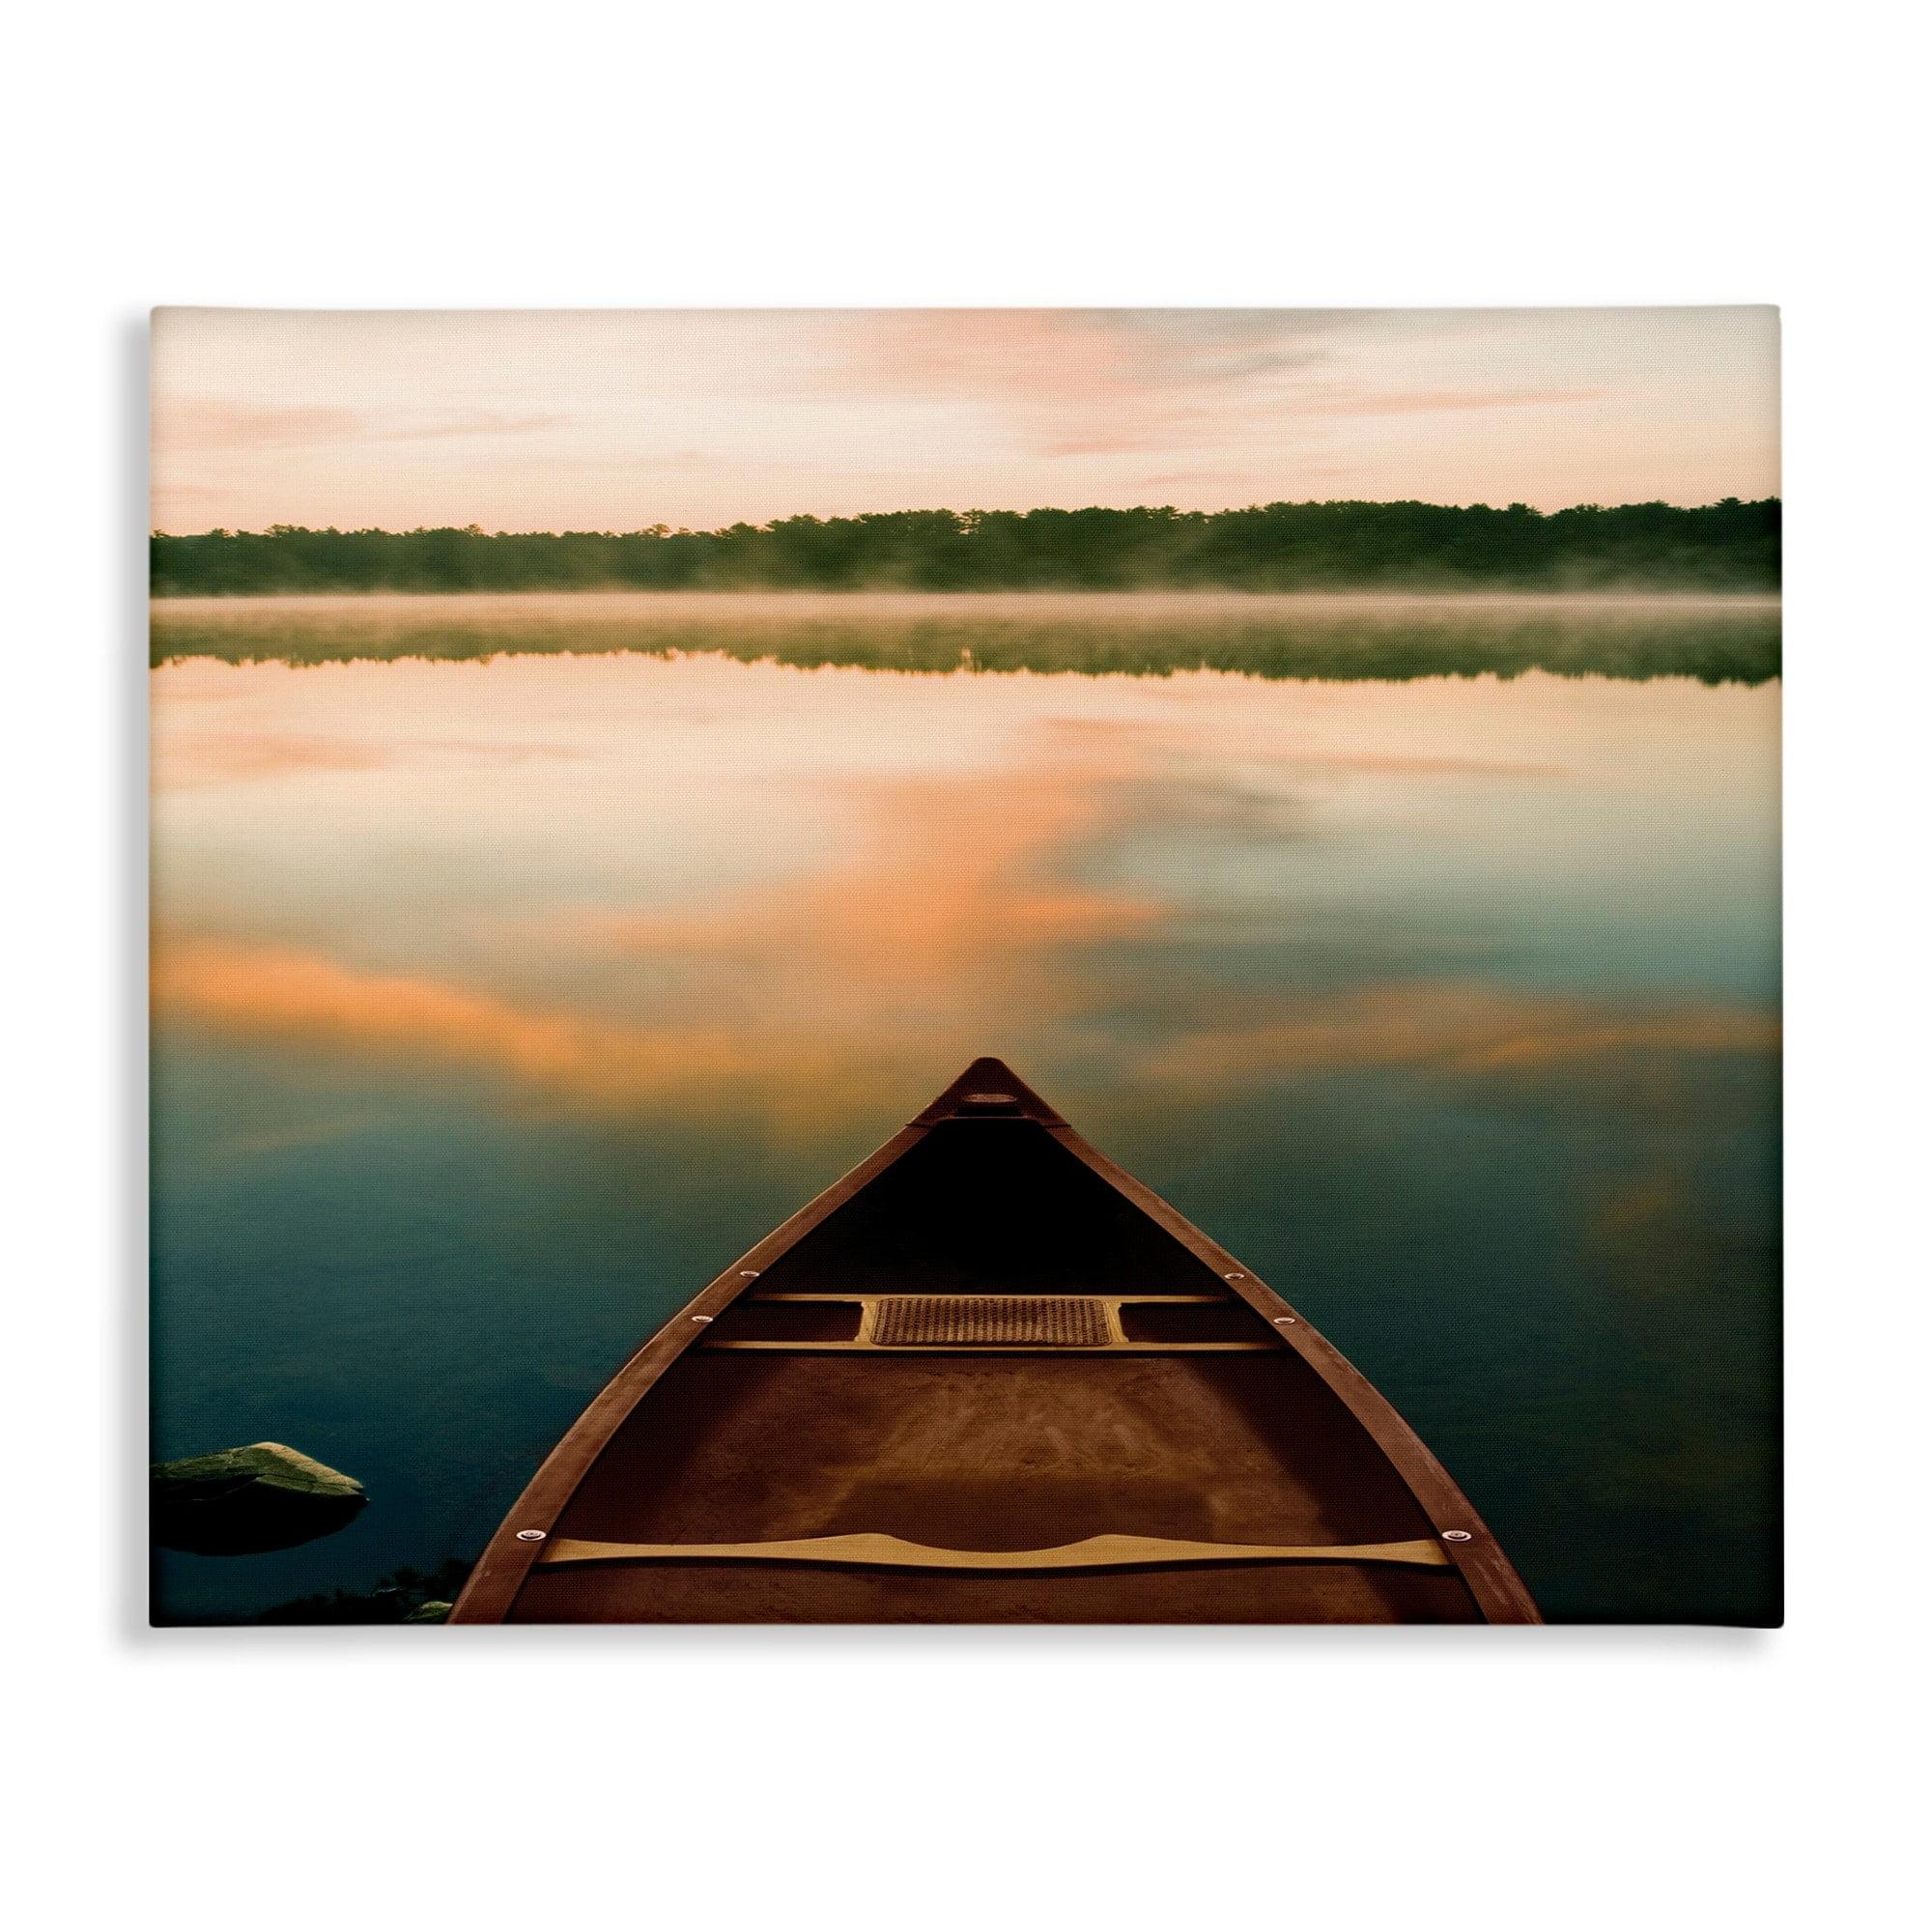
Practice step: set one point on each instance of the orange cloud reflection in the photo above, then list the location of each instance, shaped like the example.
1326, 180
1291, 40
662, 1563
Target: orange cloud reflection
305, 1000
1456, 1028
954, 908
798, 1073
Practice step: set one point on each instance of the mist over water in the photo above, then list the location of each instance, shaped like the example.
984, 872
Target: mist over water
1714, 639
513, 974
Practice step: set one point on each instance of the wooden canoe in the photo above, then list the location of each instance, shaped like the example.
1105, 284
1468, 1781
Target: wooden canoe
989, 1378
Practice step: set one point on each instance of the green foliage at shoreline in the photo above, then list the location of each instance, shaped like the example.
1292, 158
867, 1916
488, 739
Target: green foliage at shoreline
1726, 546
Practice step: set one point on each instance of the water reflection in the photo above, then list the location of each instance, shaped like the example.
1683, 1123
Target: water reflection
497, 1004
1142, 633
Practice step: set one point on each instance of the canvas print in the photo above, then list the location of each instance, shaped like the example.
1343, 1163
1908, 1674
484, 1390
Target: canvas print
1053, 967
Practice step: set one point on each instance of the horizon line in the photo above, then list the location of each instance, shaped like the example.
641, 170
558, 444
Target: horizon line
662, 530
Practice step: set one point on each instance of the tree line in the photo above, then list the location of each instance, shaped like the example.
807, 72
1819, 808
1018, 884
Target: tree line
1725, 546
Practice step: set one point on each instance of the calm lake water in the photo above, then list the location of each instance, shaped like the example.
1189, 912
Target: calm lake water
500, 1000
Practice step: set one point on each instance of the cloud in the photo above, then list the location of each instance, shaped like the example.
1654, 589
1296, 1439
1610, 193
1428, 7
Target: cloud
429, 418
212, 425
187, 760
1074, 384
1206, 347
810, 998
1466, 1028
956, 909
1433, 402
304, 999
298, 1134
1173, 476
1400, 764
1101, 444
802, 1064
1079, 382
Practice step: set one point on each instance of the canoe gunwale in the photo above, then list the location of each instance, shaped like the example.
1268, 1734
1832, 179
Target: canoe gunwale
494, 1586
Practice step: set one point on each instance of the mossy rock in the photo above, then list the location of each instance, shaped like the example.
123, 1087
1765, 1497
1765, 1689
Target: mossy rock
238, 1502
434, 1611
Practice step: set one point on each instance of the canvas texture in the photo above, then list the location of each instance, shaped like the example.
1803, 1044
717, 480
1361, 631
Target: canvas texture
968, 966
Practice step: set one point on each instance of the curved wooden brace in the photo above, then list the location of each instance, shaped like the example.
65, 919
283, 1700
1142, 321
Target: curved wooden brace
873, 1552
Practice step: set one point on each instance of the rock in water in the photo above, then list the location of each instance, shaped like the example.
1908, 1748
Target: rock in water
240, 1501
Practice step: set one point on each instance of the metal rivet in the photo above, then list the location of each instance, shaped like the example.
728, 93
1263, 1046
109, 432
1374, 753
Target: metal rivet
747, 1273
1284, 1320
1455, 1536
531, 1535
700, 1318
1235, 1275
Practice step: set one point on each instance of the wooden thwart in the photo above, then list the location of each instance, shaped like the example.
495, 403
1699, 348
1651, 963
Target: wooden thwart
978, 1325
872, 1552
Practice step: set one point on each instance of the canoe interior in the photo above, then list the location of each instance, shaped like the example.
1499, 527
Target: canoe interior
998, 1450
988, 1207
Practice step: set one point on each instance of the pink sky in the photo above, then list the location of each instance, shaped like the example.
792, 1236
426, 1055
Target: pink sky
616, 419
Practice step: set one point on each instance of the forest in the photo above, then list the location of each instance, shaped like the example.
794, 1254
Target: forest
1728, 546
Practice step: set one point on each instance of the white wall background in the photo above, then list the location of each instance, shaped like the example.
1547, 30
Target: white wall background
413, 155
